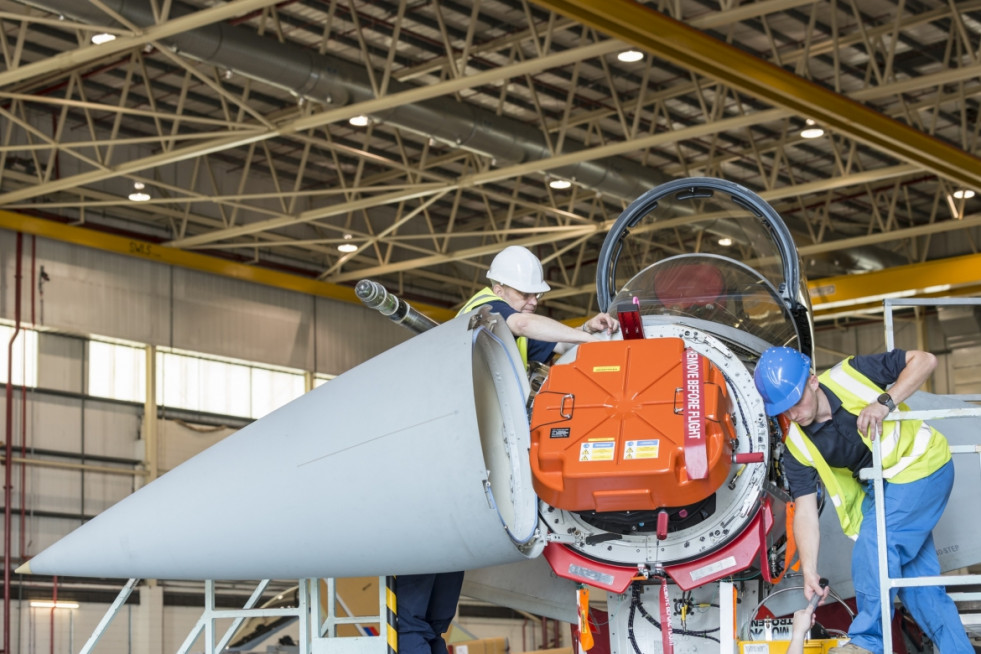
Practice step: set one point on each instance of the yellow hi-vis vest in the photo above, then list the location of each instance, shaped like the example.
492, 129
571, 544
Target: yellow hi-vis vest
486, 296
911, 449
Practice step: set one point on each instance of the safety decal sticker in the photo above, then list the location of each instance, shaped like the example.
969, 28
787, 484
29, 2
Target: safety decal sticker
597, 576
645, 449
606, 368
558, 432
713, 568
597, 451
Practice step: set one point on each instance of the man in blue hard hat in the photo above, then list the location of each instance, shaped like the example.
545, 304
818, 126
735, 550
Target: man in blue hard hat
834, 419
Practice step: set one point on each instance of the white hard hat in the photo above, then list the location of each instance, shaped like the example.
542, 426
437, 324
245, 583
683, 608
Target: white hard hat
519, 268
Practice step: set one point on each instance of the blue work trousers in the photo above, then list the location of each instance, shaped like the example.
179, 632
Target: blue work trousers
425, 605
912, 511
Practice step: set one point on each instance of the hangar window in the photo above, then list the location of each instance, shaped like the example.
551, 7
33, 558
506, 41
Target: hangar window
24, 369
227, 387
272, 389
186, 380
117, 371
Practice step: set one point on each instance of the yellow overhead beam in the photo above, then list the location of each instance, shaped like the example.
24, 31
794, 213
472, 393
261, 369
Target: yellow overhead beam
951, 276
700, 53
877, 307
192, 260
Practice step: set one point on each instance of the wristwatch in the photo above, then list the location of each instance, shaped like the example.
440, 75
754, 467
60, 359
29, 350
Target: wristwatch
886, 399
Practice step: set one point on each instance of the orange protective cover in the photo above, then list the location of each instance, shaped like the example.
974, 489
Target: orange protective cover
610, 429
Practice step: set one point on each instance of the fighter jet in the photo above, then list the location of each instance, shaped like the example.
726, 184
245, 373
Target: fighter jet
643, 465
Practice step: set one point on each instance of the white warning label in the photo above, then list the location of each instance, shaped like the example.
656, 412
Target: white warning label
641, 449
596, 450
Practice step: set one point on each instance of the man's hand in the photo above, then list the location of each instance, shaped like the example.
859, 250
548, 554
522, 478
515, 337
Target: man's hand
602, 322
803, 621
812, 587
871, 418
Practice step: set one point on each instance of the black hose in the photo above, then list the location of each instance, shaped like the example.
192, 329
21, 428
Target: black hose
637, 606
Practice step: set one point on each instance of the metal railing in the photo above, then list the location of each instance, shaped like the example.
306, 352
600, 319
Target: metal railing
316, 610
886, 584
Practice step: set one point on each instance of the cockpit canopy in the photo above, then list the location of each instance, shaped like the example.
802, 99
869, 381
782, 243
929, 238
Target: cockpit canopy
727, 265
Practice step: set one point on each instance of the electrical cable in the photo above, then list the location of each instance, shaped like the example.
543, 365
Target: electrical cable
636, 605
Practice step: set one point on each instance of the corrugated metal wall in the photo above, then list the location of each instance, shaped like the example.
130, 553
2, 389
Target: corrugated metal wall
91, 292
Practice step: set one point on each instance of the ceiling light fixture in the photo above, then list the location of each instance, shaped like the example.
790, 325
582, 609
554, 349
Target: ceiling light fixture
630, 56
725, 241
359, 121
559, 184
811, 131
139, 195
963, 194
104, 37
347, 248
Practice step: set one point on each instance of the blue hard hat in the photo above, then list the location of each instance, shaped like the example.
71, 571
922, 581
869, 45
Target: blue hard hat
780, 377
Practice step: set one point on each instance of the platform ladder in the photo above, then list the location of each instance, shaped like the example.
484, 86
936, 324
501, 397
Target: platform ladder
886, 584
316, 609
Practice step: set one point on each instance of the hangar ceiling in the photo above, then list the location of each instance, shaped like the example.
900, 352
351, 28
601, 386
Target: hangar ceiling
234, 118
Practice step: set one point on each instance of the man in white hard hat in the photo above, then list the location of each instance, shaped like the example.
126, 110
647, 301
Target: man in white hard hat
517, 283
427, 602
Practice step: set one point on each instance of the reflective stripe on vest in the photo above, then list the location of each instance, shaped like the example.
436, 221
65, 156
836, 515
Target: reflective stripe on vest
844, 491
915, 450
486, 296
911, 449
